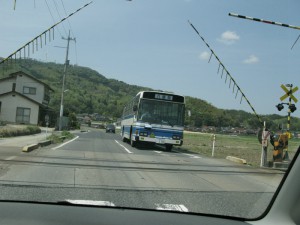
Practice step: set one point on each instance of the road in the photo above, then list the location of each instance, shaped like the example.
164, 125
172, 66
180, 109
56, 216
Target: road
98, 168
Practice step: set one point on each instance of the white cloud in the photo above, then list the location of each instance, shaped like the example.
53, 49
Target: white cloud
251, 60
229, 37
204, 56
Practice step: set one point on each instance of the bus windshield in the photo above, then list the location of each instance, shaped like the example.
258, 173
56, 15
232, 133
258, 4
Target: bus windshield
161, 112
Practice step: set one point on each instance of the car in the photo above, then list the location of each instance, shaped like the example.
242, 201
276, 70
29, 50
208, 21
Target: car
110, 128
208, 71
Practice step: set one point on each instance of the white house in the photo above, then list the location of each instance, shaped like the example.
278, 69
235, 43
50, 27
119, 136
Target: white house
23, 99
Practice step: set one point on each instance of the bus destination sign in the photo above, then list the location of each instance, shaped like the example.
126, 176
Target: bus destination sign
164, 97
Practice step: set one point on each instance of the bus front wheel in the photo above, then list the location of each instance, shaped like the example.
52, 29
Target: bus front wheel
169, 147
132, 143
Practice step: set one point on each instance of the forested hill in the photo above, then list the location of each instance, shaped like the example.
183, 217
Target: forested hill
91, 92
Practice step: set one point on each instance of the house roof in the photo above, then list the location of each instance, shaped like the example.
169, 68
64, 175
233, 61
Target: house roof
24, 96
5, 78
23, 73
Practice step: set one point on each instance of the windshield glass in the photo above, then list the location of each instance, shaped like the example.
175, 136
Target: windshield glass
161, 112
181, 105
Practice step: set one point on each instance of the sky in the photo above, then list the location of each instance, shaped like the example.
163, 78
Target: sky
151, 44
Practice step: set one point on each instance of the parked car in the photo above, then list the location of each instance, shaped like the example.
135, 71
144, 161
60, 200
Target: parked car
110, 128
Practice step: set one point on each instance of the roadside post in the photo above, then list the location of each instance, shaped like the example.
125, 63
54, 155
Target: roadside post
47, 123
213, 138
265, 138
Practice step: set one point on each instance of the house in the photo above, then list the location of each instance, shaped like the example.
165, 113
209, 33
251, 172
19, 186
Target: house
23, 99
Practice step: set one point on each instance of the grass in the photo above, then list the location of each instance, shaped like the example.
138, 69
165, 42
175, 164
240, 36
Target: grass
245, 147
59, 137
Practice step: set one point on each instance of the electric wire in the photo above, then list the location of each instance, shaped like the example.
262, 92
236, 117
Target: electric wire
67, 19
52, 17
59, 16
71, 30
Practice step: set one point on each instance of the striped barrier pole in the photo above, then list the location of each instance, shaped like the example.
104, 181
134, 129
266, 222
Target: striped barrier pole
268, 22
264, 21
231, 80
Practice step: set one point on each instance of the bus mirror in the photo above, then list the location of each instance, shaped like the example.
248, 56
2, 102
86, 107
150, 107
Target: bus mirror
135, 108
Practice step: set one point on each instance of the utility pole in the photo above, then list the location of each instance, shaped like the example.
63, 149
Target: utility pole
63, 82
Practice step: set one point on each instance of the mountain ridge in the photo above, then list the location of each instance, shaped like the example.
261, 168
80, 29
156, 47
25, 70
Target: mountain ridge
91, 92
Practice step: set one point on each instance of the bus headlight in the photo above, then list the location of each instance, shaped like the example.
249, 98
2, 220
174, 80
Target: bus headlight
144, 134
176, 137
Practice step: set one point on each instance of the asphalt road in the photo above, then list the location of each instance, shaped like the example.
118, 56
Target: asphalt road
98, 168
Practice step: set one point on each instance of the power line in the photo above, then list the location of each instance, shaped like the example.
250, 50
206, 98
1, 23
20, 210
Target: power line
52, 17
67, 19
295, 41
38, 39
59, 16
70, 30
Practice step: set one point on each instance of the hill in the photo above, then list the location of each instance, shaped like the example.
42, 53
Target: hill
91, 92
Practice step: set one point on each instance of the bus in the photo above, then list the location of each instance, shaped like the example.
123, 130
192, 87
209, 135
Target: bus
154, 117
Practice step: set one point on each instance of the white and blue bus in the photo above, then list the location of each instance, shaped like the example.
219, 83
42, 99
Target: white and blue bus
154, 117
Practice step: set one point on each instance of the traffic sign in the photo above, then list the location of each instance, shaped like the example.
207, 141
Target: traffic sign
289, 93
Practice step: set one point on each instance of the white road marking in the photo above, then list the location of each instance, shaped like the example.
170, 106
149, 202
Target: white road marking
158, 152
171, 207
10, 158
91, 202
190, 155
65, 143
123, 147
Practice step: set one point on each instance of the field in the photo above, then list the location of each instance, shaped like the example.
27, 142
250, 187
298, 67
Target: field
245, 147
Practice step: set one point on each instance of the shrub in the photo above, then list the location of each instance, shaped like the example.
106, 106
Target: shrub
33, 129
67, 134
57, 137
9, 131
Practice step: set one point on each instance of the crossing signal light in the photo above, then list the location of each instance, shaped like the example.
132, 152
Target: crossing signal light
292, 107
279, 107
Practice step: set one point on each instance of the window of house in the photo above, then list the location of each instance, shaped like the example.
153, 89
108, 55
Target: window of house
29, 90
23, 115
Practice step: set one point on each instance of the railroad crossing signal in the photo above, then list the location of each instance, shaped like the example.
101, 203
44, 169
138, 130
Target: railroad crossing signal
289, 93
280, 151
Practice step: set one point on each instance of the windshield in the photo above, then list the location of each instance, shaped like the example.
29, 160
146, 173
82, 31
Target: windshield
182, 105
161, 112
